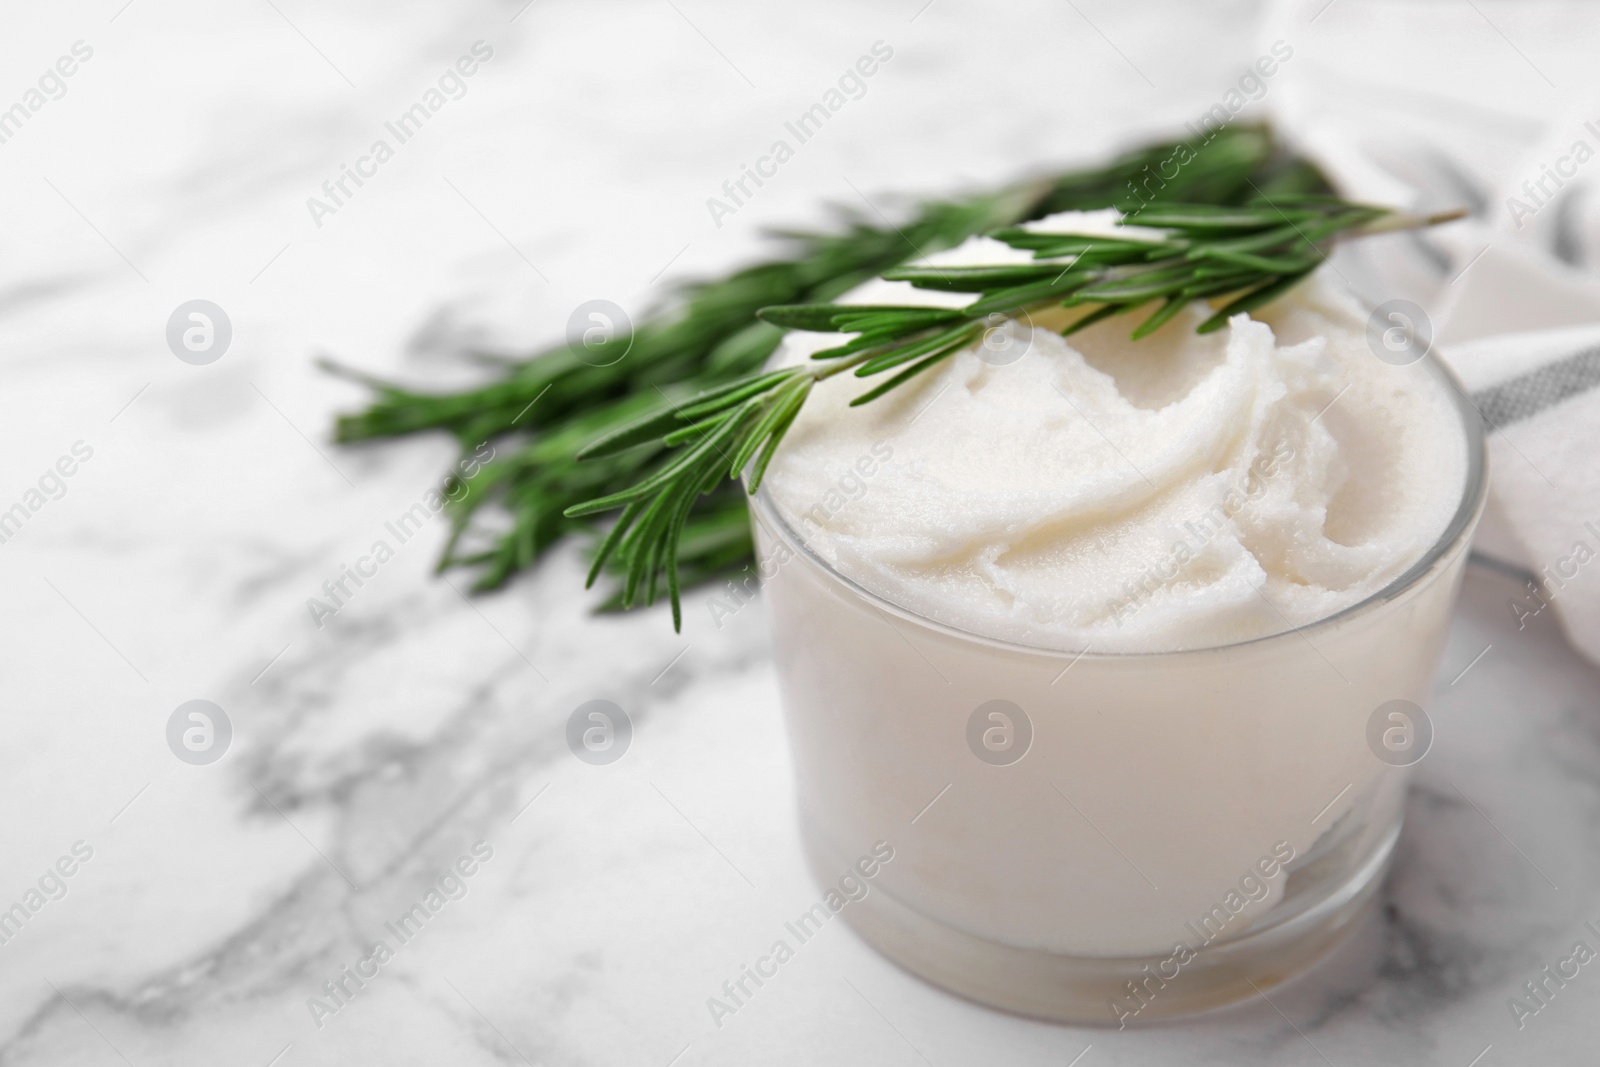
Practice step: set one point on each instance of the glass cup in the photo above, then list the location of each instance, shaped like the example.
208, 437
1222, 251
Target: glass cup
1105, 838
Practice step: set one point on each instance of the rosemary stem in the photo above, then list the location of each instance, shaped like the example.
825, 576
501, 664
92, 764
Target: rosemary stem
1398, 221
839, 366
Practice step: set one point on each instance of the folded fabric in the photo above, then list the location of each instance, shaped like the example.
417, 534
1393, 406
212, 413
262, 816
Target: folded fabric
1539, 394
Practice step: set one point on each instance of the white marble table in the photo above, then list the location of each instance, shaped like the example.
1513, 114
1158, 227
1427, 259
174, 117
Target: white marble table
371, 755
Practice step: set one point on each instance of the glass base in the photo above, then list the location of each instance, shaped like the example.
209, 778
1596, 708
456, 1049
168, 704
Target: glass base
1109, 991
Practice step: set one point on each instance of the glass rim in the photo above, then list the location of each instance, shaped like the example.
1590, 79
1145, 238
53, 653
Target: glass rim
1457, 530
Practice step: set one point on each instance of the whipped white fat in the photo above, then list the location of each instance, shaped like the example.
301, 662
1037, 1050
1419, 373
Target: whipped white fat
1174, 492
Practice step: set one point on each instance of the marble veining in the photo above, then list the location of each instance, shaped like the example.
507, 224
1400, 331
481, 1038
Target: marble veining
372, 753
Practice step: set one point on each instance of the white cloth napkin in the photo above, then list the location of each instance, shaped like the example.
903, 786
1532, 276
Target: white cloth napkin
1494, 106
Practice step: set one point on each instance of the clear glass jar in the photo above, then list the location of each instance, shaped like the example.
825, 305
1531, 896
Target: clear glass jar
1103, 838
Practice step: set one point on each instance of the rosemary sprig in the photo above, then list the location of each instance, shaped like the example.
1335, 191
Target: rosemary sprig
725, 432
542, 408
1254, 252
